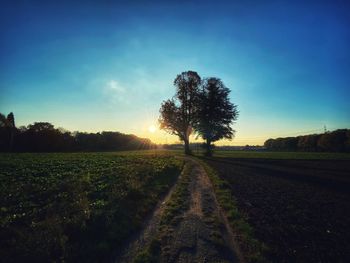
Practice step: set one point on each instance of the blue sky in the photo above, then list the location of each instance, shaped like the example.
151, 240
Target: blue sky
108, 65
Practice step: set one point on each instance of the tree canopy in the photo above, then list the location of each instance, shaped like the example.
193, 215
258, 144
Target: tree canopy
177, 115
335, 141
215, 113
199, 105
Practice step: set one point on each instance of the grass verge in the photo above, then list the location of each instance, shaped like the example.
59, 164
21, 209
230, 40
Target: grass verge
252, 249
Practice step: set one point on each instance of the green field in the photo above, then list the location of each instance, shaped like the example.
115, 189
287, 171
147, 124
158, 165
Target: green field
77, 206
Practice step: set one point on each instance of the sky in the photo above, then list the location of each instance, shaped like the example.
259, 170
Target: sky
107, 65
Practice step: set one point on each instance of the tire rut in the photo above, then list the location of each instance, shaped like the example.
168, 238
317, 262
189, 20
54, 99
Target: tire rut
202, 233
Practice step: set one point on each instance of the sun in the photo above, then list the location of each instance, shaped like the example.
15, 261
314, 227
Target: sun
152, 129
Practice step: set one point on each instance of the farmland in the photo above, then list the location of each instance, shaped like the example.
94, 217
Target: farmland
88, 207
77, 206
297, 206
283, 155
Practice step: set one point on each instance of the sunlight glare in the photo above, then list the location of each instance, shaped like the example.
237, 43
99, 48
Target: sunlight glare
152, 129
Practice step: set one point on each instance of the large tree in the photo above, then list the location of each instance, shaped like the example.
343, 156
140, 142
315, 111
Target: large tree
215, 113
177, 115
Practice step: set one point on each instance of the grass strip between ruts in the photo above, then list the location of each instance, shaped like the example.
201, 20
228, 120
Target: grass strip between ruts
252, 249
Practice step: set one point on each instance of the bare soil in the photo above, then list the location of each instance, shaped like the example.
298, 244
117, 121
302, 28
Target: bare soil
202, 233
299, 208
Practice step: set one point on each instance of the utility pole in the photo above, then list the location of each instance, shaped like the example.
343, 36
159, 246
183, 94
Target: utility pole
325, 129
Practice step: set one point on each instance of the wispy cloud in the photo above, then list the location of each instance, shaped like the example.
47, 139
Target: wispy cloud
115, 92
114, 86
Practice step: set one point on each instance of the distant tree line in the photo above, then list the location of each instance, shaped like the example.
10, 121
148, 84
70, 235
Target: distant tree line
336, 141
44, 137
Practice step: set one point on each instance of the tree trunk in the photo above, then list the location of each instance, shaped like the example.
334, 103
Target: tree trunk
208, 148
187, 146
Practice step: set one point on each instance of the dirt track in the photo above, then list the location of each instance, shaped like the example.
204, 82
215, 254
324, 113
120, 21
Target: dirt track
202, 233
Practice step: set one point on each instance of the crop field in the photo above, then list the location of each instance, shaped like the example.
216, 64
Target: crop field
85, 207
283, 155
298, 207
77, 207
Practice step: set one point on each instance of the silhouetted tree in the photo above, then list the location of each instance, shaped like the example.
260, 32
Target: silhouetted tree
12, 128
44, 137
308, 143
215, 113
7, 131
335, 141
177, 115
282, 144
347, 141
3, 133
11, 119
41, 127
3, 120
